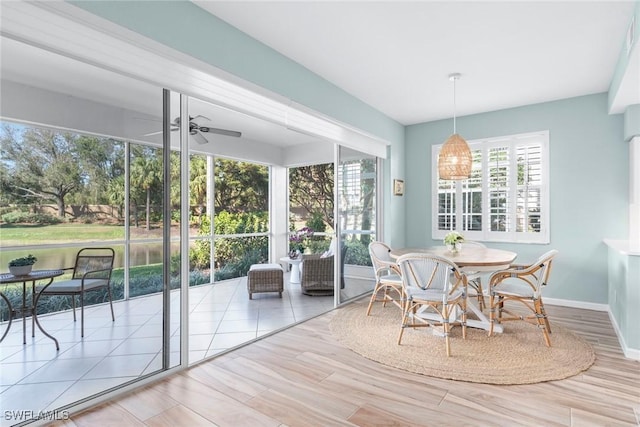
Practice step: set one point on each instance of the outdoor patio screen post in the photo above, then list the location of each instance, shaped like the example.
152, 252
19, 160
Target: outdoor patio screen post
166, 224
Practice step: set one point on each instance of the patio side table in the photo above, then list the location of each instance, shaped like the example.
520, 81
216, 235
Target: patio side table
294, 277
32, 277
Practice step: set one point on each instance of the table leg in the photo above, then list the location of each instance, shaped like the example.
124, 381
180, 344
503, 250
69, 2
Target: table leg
24, 311
295, 273
4, 297
35, 311
483, 321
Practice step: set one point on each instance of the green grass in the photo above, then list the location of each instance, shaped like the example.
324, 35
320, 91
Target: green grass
20, 235
142, 270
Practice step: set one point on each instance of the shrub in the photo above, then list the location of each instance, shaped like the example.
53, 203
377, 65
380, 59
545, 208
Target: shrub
17, 217
357, 253
316, 222
230, 250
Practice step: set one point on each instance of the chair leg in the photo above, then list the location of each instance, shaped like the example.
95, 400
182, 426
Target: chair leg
544, 314
492, 311
376, 289
81, 314
113, 317
481, 304
464, 320
385, 297
73, 305
446, 326
405, 313
542, 321
33, 318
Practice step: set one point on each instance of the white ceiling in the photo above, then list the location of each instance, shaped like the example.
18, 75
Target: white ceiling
396, 56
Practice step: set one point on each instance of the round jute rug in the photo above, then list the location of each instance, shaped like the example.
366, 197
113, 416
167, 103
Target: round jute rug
516, 356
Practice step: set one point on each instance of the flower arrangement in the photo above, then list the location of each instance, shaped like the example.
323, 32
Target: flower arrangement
298, 239
453, 238
19, 262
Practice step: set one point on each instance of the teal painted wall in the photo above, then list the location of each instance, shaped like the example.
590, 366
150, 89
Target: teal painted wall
631, 122
589, 185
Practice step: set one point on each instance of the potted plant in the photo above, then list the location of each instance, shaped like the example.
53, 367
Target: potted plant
22, 266
454, 240
298, 240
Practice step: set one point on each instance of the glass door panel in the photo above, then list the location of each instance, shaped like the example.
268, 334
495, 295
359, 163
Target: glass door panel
357, 194
104, 188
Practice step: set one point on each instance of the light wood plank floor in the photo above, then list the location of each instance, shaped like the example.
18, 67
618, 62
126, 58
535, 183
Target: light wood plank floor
303, 377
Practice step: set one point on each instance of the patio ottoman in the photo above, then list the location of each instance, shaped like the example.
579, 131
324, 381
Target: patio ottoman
265, 278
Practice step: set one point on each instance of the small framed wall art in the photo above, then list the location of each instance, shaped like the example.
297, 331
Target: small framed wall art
398, 187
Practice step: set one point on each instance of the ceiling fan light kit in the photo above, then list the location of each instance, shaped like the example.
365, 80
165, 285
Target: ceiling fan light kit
454, 160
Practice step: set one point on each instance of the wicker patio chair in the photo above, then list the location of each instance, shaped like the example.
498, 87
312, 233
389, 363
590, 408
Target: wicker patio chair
387, 276
522, 283
91, 272
317, 273
435, 294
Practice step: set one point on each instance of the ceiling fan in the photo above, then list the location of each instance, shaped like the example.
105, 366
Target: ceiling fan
195, 129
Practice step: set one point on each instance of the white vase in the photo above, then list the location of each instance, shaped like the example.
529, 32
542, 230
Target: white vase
20, 270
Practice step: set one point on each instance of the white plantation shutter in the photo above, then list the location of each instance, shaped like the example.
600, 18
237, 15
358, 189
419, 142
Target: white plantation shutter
529, 188
506, 197
499, 166
472, 195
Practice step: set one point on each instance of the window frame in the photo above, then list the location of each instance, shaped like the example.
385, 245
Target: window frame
512, 142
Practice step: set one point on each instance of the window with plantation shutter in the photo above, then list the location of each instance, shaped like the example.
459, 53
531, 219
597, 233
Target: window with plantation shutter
506, 198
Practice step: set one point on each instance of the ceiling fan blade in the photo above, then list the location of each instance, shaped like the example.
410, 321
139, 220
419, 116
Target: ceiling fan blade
200, 139
221, 131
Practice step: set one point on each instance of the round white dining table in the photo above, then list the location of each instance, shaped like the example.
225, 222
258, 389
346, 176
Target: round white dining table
481, 259
470, 257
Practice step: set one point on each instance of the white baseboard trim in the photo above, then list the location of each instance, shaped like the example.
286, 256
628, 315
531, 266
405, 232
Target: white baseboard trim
629, 353
576, 304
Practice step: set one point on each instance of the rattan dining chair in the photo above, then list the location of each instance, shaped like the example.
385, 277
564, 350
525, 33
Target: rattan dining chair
433, 284
91, 272
387, 276
524, 284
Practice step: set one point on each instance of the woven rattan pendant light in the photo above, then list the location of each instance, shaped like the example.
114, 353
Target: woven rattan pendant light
454, 160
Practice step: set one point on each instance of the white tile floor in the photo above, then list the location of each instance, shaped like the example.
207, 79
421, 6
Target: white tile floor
34, 377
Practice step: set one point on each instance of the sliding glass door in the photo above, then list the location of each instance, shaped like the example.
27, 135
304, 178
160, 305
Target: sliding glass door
357, 194
85, 164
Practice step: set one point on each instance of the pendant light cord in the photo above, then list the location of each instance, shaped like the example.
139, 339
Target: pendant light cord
454, 104
453, 77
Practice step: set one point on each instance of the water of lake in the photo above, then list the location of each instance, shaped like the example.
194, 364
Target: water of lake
140, 254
